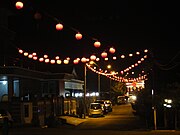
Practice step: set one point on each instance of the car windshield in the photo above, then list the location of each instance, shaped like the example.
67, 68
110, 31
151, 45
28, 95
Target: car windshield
95, 106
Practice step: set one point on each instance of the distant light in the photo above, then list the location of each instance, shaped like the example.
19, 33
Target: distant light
152, 92
25, 53
114, 58
130, 55
122, 56
4, 82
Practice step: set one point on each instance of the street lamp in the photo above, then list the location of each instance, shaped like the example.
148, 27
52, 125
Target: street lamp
85, 90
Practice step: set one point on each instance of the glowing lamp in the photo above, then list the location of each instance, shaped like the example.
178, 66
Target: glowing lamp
35, 58
45, 56
122, 56
41, 59
19, 5
114, 58
59, 26
103, 54
78, 36
30, 56
66, 61
145, 50
130, 55
59, 61
112, 50
20, 51
83, 60
97, 59
46, 60
25, 53
34, 54
93, 57
97, 44
57, 57
76, 61
106, 59
52, 61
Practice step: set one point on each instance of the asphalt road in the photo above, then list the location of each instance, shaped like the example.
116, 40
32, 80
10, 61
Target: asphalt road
121, 118
119, 122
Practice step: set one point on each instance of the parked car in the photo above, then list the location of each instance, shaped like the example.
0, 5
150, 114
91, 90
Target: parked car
3, 115
102, 105
108, 105
95, 109
121, 100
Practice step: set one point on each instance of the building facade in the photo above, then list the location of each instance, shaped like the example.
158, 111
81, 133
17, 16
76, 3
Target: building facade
32, 96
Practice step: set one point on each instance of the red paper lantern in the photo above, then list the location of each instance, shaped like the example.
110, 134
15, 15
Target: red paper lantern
52, 61
93, 57
97, 44
112, 50
59, 26
19, 5
83, 60
58, 61
41, 59
35, 57
103, 54
20, 51
78, 36
76, 61
66, 61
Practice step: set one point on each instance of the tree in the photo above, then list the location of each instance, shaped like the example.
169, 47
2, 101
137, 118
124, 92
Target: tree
119, 87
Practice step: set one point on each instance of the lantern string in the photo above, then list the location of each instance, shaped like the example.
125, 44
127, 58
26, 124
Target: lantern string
72, 28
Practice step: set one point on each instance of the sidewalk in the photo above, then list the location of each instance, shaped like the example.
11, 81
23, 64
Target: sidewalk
73, 120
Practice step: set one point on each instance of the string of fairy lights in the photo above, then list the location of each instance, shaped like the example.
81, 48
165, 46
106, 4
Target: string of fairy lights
117, 76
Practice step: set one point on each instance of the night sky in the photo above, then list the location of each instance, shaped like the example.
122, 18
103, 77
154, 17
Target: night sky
129, 26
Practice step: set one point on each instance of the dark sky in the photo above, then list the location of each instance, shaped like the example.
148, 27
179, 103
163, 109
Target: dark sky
128, 26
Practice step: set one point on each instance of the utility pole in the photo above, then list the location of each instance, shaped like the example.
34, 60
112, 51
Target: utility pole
85, 90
